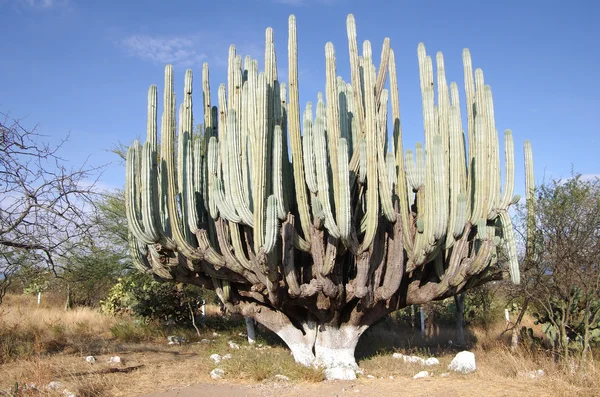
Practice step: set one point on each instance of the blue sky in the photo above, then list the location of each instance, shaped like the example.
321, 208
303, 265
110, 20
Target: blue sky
84, 67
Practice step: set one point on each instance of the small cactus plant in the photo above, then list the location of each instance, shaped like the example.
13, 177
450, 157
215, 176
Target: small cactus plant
316, 225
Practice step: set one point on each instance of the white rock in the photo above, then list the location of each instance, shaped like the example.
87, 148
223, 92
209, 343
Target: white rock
370, 377
463, 362
422, 374
215, 334
432, 361
391, 377
281, 377
217, 373
233, 345
69, 393
445, 374
216, 358
205, 341
55, 385
533, 374
226, 356
340, 373
115, 360
90, 359
409, 359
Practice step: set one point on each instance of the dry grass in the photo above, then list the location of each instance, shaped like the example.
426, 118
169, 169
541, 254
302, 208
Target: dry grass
43, 344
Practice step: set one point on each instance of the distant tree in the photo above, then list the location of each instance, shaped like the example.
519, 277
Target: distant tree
561, 272
44, 204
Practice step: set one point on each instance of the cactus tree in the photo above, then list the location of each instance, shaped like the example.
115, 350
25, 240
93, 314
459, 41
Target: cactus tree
316, 223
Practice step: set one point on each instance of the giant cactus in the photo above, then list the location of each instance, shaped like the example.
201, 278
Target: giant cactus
319, 245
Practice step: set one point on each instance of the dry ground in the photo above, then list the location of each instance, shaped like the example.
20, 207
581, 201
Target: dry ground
39, 345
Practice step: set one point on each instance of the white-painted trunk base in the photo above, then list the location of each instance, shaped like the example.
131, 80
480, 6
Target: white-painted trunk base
326, 347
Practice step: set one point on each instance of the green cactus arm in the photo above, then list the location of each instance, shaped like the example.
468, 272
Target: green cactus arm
470, 104
244, 149
493, 155
151, 128
509, 172
390, 164
362, 174
277, 170
149, 193
189, 198
357, 83
510, 246
259, 157
168, 157
353, 124
440, 189
443, 130
401, 173
212, 164
383, 69
343, 109
308, 151
457, 178
226, 210
372, 213
235, 172
411, 171
289, 187
272, 225
479, 186
332, 125
206, 105
530, 200
385, 194
321, 158
131, 197
482, 133
344, 193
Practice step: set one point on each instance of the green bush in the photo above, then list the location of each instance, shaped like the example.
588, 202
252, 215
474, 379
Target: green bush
167, 303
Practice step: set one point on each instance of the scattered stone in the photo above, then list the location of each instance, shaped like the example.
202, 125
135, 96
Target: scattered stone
55, 385
432, 361
422, 374
233, 345
217, 373
226, 357
215, 334
445, 374
409, 359
533, 374
463, 362
115, 360
205, 341
340, 373
391, 377
356, 391
216, 358
281, 377
175, 340
370, 377
69, 393
90, 359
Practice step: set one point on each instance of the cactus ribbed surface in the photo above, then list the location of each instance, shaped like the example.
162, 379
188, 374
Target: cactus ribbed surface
295, 217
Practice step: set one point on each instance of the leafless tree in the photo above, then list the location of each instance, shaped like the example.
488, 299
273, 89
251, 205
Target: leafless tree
44, 203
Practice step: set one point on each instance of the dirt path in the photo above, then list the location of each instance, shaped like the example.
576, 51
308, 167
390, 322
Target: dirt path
440, 387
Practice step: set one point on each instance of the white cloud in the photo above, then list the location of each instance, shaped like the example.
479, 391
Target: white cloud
45, 3
174, 50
